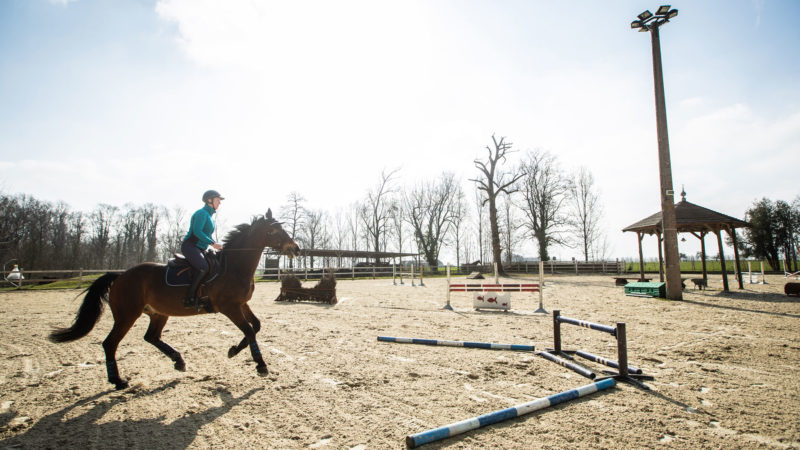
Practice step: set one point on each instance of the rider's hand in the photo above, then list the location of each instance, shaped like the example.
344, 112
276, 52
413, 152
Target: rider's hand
216, 246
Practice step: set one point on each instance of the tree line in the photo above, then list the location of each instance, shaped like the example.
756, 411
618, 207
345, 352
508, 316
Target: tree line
534, 199
40, 235
774, 232
504, 205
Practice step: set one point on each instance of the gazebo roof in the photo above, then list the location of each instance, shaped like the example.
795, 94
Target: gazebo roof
688, 217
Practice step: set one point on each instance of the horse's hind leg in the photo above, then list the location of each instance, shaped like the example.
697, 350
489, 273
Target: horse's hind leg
110, 344
153, 336
248, 314
237, 315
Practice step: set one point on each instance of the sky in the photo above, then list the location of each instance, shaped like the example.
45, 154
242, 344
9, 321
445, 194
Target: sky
141, 101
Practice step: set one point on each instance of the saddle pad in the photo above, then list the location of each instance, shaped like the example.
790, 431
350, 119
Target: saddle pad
182, 276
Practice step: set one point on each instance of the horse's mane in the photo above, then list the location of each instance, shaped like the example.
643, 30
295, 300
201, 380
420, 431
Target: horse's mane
236, 238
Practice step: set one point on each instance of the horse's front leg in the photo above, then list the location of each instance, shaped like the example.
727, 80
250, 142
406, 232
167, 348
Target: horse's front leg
153, 336
248, 314
237, 316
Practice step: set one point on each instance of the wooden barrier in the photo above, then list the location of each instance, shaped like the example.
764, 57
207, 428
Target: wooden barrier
398, 274
498, 287
624, 371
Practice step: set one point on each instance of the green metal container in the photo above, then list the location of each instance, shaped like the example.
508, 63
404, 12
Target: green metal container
646, 289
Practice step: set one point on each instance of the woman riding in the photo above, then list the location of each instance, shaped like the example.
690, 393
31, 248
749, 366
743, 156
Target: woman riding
197, 241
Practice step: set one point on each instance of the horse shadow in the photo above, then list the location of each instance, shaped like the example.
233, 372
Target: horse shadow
80, 425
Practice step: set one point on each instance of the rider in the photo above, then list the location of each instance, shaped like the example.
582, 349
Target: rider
197, 240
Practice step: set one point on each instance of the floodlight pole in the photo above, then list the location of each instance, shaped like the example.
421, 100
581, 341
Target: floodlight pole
668, 225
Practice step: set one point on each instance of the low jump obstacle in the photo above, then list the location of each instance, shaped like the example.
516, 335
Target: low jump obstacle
466, 344
625, 372
426, 437
749, 275
398, 273
496, 301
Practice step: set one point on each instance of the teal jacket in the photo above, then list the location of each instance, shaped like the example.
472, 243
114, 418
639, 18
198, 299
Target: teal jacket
202, 226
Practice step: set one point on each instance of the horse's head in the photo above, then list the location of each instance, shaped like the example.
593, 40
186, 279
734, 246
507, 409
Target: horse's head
278, 239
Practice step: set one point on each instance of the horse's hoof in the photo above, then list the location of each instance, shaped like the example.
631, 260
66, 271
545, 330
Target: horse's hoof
120, 384
180, 366
233, 351
262, 370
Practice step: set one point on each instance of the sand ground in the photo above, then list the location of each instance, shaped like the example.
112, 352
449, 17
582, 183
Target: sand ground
725, 368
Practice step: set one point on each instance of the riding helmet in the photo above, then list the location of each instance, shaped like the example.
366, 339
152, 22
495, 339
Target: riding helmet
211, 194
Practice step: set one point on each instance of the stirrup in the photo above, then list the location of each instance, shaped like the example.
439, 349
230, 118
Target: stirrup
192, 302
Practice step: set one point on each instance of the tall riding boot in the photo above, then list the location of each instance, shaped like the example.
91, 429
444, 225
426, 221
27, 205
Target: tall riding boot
191, 300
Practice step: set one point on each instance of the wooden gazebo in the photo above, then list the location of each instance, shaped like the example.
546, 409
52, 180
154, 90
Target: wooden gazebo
698, 221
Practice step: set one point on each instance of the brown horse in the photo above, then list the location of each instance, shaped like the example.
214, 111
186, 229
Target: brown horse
142, 289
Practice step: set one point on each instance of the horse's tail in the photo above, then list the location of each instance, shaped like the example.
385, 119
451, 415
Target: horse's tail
89, 312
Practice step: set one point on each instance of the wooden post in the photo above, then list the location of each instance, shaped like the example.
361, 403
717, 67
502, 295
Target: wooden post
80, 278
702, 238
725, 286
447, 306
496, 276
622, 350
738, 267
640, 235
660, 259
541, 288
556, 332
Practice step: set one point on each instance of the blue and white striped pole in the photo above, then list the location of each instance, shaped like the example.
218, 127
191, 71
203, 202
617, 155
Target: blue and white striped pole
426, 437
486, 345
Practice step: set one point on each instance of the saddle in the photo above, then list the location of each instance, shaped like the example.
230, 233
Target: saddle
179, 272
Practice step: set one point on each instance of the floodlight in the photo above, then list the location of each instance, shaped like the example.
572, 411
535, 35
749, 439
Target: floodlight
672, 14
645, 15
636, 24
663, 9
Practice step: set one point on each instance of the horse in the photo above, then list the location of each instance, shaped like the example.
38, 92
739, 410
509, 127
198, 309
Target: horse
142, 289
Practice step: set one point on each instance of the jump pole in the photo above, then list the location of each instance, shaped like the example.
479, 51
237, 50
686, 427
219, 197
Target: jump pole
466, 344
453, 429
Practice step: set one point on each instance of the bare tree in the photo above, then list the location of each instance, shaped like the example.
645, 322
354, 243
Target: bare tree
586, 213
314, 234
375, 211
508, 230
397, 216
174, 233
480, 203
353, 227
102, 221
292, 215
430, 213
494, 182
339, 234
544, 190
458, 219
